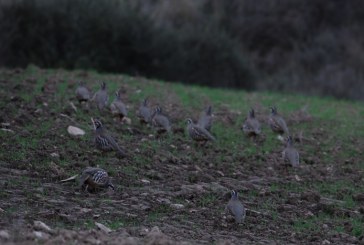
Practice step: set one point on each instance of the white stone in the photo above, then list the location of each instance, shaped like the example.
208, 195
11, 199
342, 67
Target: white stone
103, 227
75, 131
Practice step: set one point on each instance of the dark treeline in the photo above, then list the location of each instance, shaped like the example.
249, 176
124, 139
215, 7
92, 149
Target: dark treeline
310, 46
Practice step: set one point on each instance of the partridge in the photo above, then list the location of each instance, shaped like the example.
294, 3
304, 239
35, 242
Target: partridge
145, 113
290, 154
236, 208
160, 121
205, 120
198, 133
82, 93
118, 108
103, 141
92, 179
101, 97
251, 126
277, 123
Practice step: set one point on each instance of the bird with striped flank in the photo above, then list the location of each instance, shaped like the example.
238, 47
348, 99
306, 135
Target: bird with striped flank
101, 98
118, 108
198, 133
93, 179
144, 113
277, 123
103, 141
251, 126
236, 208
160, 121
82, 93
290, 154
205, 119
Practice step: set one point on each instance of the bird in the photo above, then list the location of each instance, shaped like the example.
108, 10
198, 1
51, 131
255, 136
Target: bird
92, 179
251, 126
103, 141
82, 93
290, 154
205, 119
118, 108
101, 97
145, 113
160, 121
198, 133
236, 208
277, 123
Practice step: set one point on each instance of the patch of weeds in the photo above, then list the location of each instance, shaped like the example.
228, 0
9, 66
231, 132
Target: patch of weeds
154, 216
159, 212
116, 224
207, 200
89, 224
141, 160
358, 227
129, 170
304, 225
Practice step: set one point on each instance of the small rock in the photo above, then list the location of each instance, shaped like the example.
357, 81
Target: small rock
55, 154
103, 227
311, 196
85, 210
75, 131
4, 234
39, 225
40, 235
220, 173
177, 206
297, 177
155, 229
145, 181
324, 242
38, 111
164, 201
309, 214
126, 120
1, 210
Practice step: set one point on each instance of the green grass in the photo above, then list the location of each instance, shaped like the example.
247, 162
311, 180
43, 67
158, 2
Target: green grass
336, 134
336, 224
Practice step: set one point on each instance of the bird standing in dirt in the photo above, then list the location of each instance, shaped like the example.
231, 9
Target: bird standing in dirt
290, 154
93, 179
105, 142
118, 108
251, 126
160, 121
277, 123
236, 208
82, 93
198, 133
145, 113
101, 97
205, 120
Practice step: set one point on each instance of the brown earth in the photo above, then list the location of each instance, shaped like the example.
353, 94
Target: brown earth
172, 193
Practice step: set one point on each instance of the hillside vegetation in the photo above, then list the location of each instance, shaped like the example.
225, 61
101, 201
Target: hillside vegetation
310, 46
167, 182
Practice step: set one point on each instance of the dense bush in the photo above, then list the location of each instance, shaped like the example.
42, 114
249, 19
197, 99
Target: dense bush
311, 46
